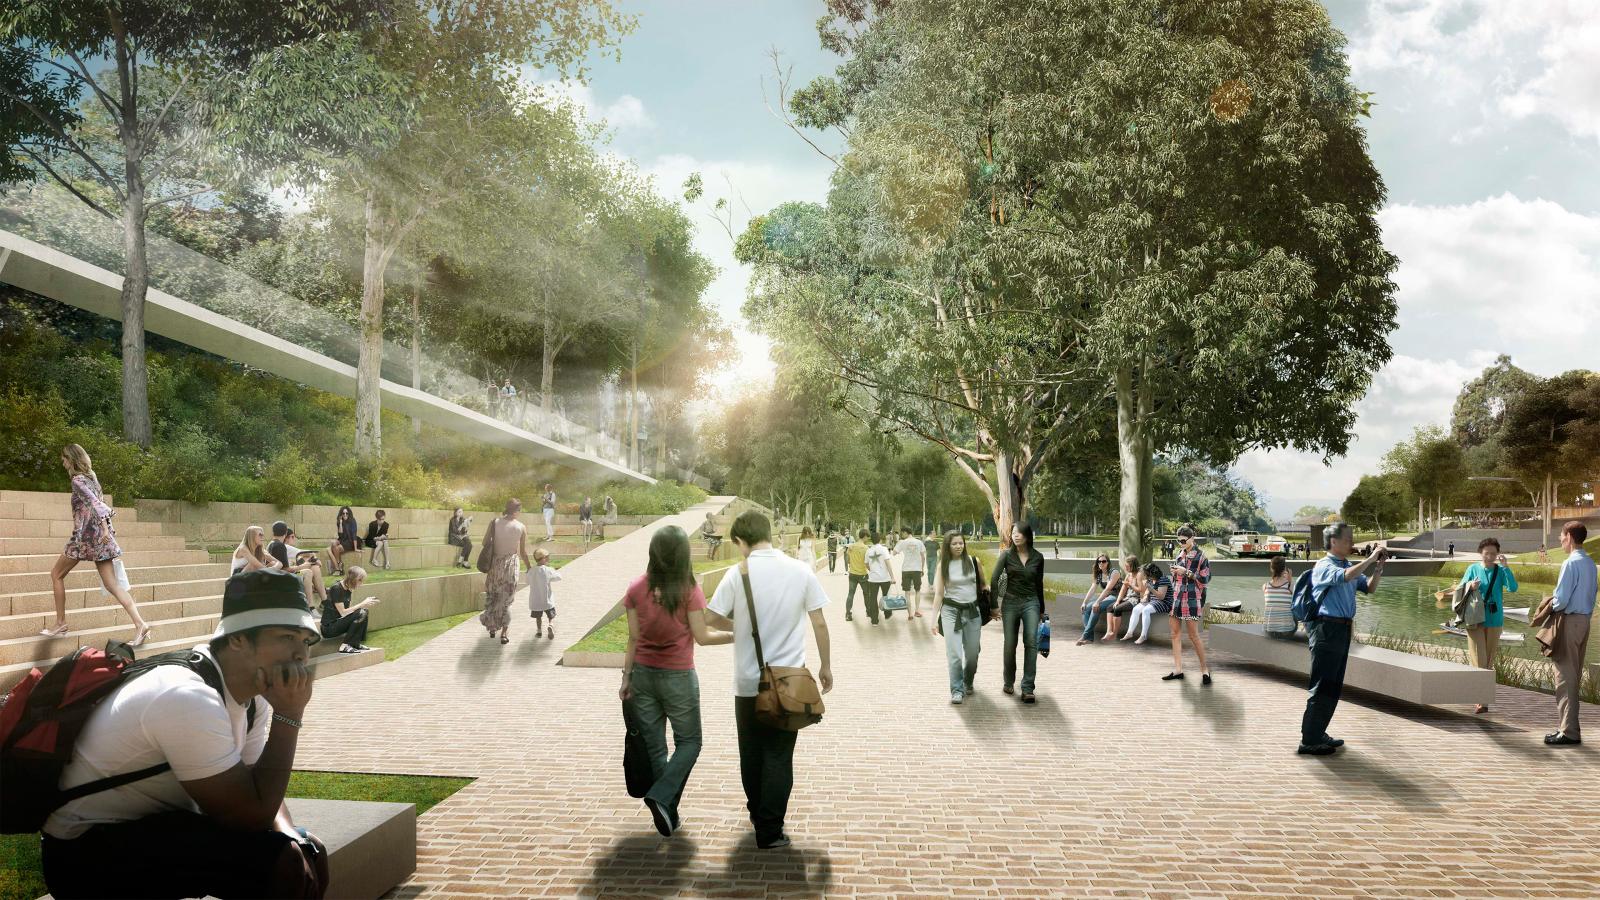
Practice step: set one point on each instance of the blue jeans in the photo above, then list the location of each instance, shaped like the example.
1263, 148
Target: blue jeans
1023, 613
660, 695
1091, 614
961, 644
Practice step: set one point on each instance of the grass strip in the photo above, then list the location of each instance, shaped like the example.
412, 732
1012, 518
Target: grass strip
402, 639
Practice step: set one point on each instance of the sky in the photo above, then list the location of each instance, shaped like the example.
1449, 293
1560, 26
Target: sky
1486, 130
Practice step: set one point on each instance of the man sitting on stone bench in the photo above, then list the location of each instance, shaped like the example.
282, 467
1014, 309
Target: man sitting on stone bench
214, 823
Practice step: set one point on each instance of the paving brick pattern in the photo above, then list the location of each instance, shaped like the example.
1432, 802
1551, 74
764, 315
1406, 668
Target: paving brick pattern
1115, 784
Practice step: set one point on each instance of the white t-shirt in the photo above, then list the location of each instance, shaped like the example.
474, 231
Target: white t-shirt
786, 591
166, 715
913, 556
878, 563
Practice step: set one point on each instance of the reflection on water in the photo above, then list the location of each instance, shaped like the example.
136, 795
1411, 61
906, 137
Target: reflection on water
1404, 607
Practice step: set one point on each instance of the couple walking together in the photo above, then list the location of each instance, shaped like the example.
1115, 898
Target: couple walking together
668, 615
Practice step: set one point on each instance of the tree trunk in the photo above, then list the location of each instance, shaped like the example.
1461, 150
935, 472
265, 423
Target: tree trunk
1130, 447
633, 404
136, 265
416, 346
1147, 501
1544, 505
369, 365
547, 359
1009, 493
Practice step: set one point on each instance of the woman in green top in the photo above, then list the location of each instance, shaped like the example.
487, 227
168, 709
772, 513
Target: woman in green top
1494, 578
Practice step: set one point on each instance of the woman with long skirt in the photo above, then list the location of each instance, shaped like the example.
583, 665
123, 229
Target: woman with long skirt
510, 542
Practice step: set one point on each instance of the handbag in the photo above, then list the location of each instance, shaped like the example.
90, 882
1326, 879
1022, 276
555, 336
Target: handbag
787, 697
635, 756
486, 555
897, 602
986, 610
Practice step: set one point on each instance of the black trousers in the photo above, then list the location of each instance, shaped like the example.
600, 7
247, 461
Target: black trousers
465, 544
766, 766
1330, 651
353, 627
867, 591
174, 854
833, 558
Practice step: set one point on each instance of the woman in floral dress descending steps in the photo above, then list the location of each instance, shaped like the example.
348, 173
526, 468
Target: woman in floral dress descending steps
506, 540
92, 540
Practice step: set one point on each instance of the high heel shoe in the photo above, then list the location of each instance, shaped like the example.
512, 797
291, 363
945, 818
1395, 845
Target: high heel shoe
140, 639
56, 631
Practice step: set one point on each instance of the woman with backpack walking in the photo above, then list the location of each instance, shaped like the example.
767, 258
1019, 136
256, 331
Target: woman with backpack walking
666, 618
93, 540
1018, 586
956, 613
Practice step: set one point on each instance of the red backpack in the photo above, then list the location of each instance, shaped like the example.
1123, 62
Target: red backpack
42, 715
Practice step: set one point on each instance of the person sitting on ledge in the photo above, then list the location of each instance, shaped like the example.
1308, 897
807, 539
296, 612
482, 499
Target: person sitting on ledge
457, 536
377, 540
342, 616
213, 823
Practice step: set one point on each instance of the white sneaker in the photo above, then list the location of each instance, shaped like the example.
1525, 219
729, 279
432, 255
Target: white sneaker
956, 698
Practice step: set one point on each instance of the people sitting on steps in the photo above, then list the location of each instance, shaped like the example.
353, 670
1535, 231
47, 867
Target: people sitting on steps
345, 538
214, 823
342, 615
377, 539
456, 535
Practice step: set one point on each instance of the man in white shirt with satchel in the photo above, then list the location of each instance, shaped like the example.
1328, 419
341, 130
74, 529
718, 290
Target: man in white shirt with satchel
786, 594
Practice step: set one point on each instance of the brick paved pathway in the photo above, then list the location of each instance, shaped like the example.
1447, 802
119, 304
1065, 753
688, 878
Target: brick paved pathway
1114, 784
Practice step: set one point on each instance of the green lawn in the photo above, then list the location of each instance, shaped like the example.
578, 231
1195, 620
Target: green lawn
702, 566
402, 639
612, 638
21, 878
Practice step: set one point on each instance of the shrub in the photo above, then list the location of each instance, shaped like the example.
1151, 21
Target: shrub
288, 478
33, 429
662, 498
183, 466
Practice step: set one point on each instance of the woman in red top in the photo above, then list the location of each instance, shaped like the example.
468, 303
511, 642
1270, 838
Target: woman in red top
666, 618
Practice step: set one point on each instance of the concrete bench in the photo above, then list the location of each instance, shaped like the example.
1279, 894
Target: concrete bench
1066, 623
372, 847
1404, 676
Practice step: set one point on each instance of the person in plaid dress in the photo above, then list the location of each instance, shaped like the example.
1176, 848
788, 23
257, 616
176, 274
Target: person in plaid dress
1191, 572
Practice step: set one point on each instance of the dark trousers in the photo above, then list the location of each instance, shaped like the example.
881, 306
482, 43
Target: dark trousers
178, 854
353, 627
1330, 651
833, 559
466, 549
660, 696
766, 766
867, 591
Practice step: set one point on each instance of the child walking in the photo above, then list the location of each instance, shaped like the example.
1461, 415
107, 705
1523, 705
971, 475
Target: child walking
541, 596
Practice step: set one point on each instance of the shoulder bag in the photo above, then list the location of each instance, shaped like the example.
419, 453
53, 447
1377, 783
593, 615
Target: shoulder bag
787, 697
986, 610
486, 555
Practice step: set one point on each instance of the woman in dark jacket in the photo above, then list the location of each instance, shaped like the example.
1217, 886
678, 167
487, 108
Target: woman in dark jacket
1021, 605
344, 538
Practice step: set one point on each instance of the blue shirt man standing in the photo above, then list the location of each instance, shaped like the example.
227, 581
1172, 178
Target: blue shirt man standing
1334, 582
1573, 601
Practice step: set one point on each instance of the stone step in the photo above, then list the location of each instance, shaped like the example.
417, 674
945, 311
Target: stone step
107, 614
29, 546
37, 647
86, 575
57, 509
80, 597
61, 529
42, 562
312, 534
40, 496
325, 658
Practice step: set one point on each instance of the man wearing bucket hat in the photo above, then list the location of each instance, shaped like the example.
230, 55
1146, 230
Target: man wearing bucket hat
217, 730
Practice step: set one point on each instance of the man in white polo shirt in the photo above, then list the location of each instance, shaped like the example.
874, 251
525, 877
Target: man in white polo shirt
218, 737
787, 593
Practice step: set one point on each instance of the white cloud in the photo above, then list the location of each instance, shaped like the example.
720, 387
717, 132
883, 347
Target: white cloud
626, 113
1501, 275
1511, 58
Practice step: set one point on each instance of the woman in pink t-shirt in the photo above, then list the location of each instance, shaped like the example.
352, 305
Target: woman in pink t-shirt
666, 618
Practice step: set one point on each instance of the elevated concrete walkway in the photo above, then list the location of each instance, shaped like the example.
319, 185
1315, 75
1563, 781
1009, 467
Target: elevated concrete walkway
51, 273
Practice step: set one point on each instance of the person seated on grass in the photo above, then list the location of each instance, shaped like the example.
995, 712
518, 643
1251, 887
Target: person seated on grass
377, 540
457, 536
341, 615
214, 823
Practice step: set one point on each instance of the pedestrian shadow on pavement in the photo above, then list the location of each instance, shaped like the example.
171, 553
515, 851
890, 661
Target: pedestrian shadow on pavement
1216, 704
1354, 773
794, 870
483, 659
993, 716
536, 649
643, 866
